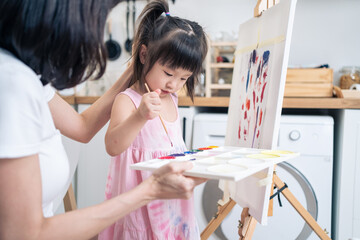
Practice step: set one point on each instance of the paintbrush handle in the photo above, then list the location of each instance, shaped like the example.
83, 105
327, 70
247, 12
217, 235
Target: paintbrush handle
147, 87
162, 122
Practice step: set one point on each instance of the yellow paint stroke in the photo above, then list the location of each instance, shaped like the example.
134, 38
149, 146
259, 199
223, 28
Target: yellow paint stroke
265, 43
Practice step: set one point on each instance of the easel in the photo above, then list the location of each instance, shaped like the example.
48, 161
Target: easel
247, 223
69, 200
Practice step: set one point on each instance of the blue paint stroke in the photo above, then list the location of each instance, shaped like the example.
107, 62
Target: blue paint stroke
257, 116
254, 56
251, 61
266, 58
247, 80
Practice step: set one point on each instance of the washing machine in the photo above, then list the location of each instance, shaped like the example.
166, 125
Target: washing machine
309, 178
186, 117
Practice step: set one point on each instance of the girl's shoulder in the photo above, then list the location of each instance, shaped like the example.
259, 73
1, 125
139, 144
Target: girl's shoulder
130, 94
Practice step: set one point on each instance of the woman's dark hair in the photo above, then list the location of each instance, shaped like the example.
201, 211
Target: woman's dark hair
173, 41
62, 40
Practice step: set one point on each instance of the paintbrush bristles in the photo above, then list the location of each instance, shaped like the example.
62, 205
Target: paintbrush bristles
162, 122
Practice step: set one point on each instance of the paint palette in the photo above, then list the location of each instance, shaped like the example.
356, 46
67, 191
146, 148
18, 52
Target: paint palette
229, 163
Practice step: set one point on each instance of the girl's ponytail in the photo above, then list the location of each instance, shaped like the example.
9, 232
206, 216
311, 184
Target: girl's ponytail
150, 14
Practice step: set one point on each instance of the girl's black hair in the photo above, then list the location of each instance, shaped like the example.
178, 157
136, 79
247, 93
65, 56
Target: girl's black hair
62, 40
173, 41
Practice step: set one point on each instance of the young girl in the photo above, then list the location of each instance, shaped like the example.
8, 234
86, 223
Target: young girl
168, 53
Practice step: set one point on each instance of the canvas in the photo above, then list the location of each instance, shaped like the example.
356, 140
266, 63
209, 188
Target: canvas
261, 60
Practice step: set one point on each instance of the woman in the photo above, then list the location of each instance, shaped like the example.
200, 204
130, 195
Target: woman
58, 43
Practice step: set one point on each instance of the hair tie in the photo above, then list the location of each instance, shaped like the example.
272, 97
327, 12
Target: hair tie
167, 14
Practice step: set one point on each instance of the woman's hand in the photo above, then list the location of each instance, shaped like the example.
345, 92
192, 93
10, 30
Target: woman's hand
169, 182
150, 105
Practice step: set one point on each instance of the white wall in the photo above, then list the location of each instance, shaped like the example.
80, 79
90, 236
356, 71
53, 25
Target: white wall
325, 31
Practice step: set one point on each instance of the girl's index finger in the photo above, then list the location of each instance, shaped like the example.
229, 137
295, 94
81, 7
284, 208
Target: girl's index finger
158, 91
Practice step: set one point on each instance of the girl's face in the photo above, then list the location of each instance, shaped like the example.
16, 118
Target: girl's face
166, 79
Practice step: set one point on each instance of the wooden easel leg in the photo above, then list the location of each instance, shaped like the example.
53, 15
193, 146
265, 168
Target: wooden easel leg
217, 219
69, 200
247, 225
300, 209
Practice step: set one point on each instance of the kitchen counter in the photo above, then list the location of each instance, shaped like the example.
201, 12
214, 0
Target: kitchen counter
310, 103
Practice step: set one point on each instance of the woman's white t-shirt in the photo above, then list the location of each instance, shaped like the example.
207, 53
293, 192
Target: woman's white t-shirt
27, 127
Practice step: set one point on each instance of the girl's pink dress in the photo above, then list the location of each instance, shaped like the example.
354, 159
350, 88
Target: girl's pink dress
160, 219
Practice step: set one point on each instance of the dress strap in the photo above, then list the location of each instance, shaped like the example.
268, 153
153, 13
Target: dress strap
134, 96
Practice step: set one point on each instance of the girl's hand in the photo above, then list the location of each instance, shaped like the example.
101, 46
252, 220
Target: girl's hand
169, 182
150, 105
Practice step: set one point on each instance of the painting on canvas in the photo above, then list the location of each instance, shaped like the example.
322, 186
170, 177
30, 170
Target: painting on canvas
261, 60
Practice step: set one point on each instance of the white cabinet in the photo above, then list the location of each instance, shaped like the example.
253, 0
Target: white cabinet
92, 169
346, 198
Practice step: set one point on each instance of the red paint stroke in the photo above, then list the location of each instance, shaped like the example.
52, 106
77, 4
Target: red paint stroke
245, 115
239, 133
251, 78
257, 98
262, 92
204, 148
257, 135
257, 57
261, 114
245, 132
242, 107
265, 74
254, 98
247, 103
167, 157
259, 86
242, 79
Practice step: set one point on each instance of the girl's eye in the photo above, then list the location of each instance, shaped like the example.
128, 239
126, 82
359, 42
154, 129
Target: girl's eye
184, 79
167, 73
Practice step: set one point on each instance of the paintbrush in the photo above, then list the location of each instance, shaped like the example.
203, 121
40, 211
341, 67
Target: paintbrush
162, 122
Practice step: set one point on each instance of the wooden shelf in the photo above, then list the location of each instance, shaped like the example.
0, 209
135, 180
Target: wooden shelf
222, 65
309, 103
213, 69
220, 86
223, 44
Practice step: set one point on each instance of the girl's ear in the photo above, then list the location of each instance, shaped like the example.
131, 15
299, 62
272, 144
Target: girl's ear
142, 53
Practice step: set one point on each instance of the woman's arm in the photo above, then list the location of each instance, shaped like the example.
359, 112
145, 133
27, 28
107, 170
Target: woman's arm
82, 127
21, 215
126, 120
